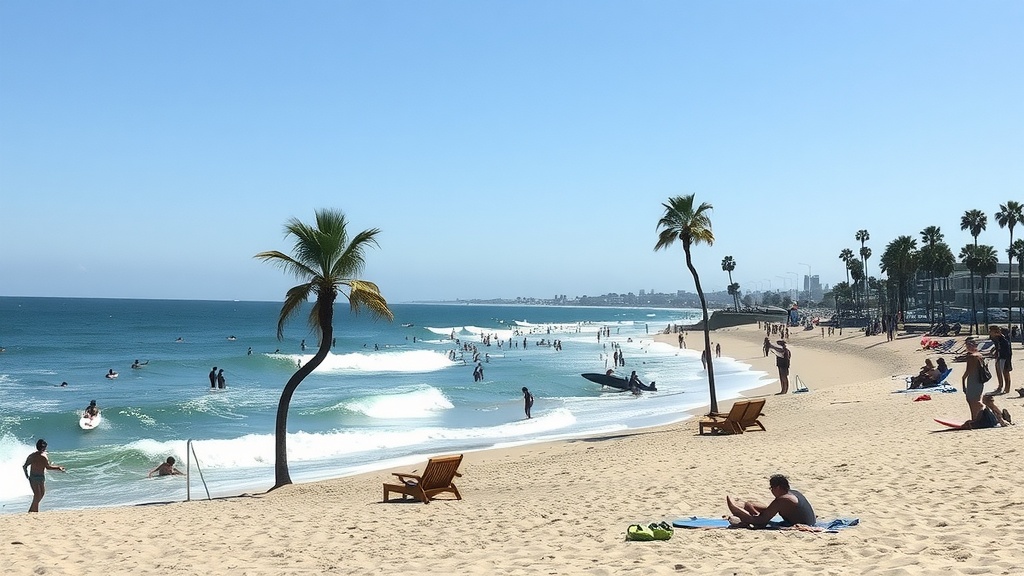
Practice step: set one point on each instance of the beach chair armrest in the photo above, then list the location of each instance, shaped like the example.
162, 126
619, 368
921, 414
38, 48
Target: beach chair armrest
402, 477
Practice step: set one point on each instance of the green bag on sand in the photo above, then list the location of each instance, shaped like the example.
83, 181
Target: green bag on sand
661, 530
639, 533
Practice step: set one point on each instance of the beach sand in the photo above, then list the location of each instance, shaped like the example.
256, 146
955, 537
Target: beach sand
930, 500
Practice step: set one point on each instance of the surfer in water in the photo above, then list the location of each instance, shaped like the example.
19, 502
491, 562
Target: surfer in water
165, 469
91, 411
138, 364
111, 374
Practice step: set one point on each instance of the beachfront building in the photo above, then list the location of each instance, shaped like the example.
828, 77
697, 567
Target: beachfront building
956, 292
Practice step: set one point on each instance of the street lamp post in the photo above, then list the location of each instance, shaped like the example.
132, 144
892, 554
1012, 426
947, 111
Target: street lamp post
808, 279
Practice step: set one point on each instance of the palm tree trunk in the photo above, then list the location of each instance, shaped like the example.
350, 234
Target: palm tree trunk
707, 331
974, 307
1009, 285
326, 319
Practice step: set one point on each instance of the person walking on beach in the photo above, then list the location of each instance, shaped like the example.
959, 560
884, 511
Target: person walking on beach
783, 356
767, 346
35, 468
528, 401
1001, 352
213, 377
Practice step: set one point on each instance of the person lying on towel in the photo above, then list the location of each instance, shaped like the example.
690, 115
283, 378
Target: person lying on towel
790, 504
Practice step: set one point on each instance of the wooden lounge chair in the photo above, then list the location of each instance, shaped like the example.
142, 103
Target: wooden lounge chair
726, 423
752, 416
436, 478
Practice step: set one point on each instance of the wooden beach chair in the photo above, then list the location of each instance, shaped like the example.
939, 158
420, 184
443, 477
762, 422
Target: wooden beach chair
730, 423
435, 479
752, 415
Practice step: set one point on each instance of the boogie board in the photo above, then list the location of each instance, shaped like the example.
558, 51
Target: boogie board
695, 522
90, 423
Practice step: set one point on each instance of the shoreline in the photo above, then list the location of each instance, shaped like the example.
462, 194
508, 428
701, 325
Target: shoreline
928, 501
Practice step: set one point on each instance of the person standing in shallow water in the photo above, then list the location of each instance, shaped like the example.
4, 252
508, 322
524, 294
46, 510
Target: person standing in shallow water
35, 468
528, 401
213, 377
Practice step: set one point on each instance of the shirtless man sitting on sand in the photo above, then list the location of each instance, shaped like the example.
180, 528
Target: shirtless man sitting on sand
790, 504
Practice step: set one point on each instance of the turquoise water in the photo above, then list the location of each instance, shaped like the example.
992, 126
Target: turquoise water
388, 394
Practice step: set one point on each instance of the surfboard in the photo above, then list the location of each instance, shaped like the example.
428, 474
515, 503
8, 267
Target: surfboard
620, 384
694, 522
90, 423
950, 422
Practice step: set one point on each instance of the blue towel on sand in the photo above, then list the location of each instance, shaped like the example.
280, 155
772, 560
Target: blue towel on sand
822, 525
944, 388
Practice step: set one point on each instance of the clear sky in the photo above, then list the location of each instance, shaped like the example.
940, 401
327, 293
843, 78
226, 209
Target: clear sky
150, 149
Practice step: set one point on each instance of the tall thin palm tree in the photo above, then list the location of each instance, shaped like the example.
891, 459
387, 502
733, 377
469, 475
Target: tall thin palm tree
943, 261
930, 236
1009, 215
690, 225
325, 260
969, 257
728, 265
975, 221
862, 236
865, 254
1017, 251
846, 255
987, 258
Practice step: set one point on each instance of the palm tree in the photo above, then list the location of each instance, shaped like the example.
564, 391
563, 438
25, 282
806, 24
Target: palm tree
987, 258
900, 261
930, 236
975, 221
1009, 215
969, 257
728, 264
857, 277
325, 260
734, 291
846, 255
1017, 251
943, 261
690, 226
862, 236
865, 253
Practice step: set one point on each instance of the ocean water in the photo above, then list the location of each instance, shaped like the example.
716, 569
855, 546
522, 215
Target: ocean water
388, 394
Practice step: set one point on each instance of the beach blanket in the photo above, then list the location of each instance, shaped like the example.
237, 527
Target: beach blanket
829, 526
945, 388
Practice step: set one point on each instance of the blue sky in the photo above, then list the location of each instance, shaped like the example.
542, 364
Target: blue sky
150, 149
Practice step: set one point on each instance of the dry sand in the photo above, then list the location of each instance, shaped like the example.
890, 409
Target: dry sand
929, 501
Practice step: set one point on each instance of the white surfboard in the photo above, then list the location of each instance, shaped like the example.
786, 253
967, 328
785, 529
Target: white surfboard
89, 423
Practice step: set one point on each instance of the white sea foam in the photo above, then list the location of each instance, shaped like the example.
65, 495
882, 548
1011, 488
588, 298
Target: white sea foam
420, 402
12, 478
378, 361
